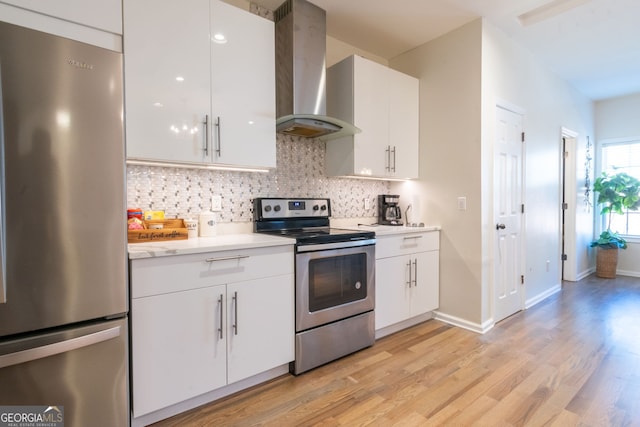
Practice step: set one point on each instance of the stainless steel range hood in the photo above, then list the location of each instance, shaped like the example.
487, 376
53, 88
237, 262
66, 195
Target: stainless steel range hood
300, 73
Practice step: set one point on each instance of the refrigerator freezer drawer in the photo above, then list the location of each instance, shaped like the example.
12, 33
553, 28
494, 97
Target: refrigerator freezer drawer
83, 369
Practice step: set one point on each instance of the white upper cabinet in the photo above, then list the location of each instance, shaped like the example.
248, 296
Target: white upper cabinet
384, 104
199, 84
97, 22
167, 83
404, 123
102, 14
243, 87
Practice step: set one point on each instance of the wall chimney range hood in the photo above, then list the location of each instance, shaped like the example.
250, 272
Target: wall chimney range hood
300, 29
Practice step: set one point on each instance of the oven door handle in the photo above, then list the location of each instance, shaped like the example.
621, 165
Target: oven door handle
337, 245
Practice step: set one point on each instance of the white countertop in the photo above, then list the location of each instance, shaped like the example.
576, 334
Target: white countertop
224, 242
227, 242
387, 230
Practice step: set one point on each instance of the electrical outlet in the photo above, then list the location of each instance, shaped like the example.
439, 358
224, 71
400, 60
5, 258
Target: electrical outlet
216, 203
367, 204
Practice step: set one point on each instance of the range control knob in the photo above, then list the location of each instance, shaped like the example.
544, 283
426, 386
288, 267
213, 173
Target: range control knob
316, 207
323, 207
267, 208
276, 208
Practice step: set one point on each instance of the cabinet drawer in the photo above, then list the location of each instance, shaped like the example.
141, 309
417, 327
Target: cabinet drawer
409, 243
155, 276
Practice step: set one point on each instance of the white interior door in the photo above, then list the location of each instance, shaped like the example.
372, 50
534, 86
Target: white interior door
568, 208
508, 209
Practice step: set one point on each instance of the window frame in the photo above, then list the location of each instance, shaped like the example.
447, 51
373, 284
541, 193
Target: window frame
601, 221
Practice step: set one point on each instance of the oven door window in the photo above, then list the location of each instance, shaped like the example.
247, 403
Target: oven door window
338, 280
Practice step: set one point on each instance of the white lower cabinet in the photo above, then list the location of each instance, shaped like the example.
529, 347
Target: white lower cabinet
196, 334
177, 352
407, 276
260, 333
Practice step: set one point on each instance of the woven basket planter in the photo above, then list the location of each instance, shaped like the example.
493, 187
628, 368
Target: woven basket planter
606, 263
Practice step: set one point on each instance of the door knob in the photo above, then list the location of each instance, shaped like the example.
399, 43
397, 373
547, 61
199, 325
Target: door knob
500, 226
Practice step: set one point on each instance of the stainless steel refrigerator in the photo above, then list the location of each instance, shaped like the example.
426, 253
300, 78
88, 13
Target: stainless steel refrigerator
63, 278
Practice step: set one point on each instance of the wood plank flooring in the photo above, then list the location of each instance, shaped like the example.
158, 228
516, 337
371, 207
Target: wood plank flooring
572, 360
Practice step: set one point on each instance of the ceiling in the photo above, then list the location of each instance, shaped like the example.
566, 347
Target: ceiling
594, 45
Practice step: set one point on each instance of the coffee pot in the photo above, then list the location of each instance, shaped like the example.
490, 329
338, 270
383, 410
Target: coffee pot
389, 212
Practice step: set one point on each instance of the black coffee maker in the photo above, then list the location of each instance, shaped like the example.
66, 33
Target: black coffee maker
389, 210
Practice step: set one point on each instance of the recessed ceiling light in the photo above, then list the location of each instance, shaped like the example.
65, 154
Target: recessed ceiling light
180, 78
219, 38
549, 10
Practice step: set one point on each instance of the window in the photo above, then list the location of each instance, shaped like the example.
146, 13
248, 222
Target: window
623, 157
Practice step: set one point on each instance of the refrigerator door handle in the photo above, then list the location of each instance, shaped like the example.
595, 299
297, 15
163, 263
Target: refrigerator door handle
3, 256
40, 352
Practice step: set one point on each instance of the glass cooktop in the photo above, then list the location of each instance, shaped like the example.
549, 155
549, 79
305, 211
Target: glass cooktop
316, 235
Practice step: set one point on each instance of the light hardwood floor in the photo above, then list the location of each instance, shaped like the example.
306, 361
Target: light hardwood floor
572, 360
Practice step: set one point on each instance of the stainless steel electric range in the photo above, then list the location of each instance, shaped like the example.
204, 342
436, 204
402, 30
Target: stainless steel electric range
334, 283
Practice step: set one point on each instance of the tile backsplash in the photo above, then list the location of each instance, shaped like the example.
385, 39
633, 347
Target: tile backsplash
300, 172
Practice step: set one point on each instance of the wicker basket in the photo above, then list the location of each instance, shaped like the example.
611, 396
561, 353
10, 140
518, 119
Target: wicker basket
607, 263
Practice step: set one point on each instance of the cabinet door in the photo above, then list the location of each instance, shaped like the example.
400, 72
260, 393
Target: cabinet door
261, 328
393, 294
404, 103
102, 14
371, 110
167, 87
243, 87
177, 352
426, 292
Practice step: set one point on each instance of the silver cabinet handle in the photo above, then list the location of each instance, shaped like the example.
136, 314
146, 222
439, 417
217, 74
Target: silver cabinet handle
387, 165
219, 143
235, 313
205, 146
393, 169
41, 352
221, 305
226, 258
409, 267
413, 237
415, 272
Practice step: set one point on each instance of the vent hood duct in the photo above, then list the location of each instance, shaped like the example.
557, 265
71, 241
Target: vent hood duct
300, 29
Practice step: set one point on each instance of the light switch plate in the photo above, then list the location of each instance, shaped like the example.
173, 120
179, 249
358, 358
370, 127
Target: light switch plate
462, 203
216, 203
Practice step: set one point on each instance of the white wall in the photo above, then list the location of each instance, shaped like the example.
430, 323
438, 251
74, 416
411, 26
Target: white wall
337, 50
462, 75
617, 118
513, 74
449, 69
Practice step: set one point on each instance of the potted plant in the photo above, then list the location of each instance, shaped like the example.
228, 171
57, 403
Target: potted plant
617, 193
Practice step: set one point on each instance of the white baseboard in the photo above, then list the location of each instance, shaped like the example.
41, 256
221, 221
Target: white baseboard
586, 273
465, 324
628, 273
178, 408
542, 296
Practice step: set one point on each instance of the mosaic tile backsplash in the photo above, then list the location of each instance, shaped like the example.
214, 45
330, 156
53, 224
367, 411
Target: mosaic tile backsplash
300, 172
